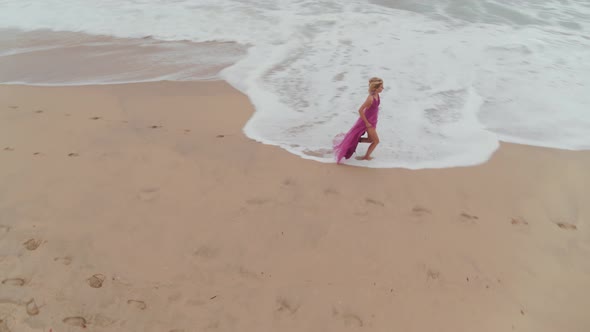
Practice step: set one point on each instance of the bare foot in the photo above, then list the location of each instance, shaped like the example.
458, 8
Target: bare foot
364, 158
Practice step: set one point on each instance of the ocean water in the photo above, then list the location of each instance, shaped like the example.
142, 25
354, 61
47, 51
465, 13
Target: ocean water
460, 75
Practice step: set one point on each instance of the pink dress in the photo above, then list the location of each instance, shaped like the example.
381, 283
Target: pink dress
345, 145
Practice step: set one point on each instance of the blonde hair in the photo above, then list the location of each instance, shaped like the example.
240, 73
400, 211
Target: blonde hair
374, 84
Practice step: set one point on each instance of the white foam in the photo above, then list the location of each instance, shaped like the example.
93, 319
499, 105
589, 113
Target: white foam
457, 80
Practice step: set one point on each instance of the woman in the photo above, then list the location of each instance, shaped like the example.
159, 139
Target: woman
367, 122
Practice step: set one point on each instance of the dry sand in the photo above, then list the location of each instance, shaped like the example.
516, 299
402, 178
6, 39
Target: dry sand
143, 207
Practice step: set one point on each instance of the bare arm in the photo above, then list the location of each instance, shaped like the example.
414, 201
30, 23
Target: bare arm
363, 108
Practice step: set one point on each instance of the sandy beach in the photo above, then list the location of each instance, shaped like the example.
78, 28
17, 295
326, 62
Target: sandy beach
143, 207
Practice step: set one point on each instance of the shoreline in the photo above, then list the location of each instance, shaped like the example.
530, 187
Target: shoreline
154, 188
221, 83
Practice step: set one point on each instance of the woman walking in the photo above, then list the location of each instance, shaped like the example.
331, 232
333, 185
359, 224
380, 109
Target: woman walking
344, 147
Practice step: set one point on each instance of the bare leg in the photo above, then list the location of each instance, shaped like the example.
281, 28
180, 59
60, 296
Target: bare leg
374, 139
369, 151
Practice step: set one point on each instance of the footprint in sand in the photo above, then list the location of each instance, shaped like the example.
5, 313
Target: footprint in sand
148, 194
469, 218
39, 111
350, 319
73, 154
155, 127
32, 309
32, 244
95, 118
518, 221
246, 273
330, 191
566, 226
187, 130
36, 153
432, 274
206, 252
8, 148
285, 305
420, 210
374, 202
96, 280
13, 107
66, 260
288, 182
18, 282
137, 304
220, 136
75, 321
